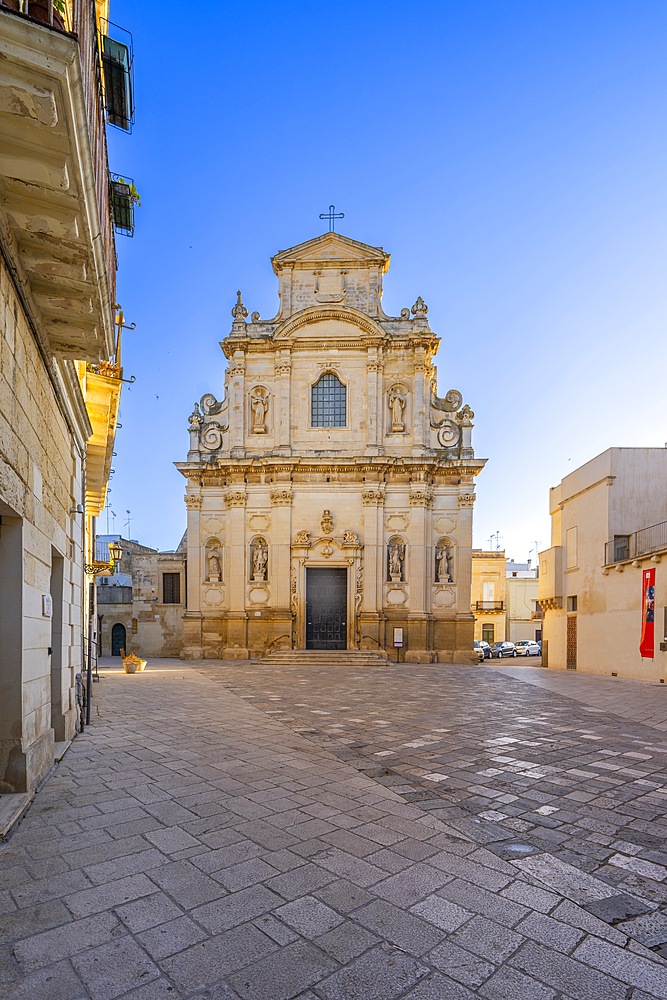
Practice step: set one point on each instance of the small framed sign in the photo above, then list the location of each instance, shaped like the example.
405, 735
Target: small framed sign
47, 606
398, 637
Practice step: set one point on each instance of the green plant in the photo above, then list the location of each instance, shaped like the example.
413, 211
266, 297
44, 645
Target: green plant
134, 194
59, 5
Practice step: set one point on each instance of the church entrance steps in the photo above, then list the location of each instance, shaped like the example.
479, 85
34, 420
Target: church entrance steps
325, 657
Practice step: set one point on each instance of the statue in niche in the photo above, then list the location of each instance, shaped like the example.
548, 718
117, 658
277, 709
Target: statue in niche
396, 408
396, 555
443, 563
260, 558
259, 405
214, 563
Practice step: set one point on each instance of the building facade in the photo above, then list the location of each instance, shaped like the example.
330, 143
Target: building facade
488, 600
523, 614
609, 536
330, 490
140, 607
59, 377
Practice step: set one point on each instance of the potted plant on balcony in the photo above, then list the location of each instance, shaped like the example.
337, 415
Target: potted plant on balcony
124, 196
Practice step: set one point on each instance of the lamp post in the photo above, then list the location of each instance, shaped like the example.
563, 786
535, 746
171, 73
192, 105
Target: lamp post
97, 569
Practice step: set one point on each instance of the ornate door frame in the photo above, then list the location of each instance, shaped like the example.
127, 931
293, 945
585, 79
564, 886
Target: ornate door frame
326, 553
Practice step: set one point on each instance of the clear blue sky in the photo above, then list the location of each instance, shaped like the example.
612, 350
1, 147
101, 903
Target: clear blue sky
510, 155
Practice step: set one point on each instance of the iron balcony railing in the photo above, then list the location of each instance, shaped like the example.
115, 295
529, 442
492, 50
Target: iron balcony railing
646, 541
489, 605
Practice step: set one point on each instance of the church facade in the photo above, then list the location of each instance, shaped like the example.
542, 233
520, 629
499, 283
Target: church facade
330, 490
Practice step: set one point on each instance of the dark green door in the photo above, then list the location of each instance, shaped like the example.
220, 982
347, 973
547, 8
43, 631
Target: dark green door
118, 637
326, 609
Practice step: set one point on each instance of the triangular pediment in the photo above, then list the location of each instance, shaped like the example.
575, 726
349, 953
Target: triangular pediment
331, 248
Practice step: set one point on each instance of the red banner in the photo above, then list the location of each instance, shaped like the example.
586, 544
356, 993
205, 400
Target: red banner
647, 644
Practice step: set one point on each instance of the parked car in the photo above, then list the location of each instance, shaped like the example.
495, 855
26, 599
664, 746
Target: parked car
487, 649
527, 647
503, 649
479, 651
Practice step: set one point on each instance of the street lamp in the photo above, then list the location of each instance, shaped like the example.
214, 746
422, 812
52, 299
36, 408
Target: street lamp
106, 568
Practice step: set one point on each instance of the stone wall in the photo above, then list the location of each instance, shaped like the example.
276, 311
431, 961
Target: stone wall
40, 553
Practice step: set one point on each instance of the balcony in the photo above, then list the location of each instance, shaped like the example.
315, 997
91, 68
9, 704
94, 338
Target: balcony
550, 586
101, 387
645, 542
124, 197
118, 70
55, 220
490, 606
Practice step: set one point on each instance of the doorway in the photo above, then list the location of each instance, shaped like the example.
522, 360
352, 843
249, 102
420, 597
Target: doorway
326, 608
118, 639
571, 646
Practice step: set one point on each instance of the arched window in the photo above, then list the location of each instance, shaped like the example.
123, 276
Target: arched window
328, 402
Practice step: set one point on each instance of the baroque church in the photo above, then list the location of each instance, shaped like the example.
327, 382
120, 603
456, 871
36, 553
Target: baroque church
330, 490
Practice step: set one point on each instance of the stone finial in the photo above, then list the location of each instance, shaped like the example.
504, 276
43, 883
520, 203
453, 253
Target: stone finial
465, 414
195, 418
420, 308
239, 312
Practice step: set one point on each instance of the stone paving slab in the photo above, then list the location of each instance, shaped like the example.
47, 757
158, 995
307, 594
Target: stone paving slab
191, 845
521, 759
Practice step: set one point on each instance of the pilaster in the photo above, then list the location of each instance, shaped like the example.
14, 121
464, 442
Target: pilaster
237, 416
281, 531
283, 390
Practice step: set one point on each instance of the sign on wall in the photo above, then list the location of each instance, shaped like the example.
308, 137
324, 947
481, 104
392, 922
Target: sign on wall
647, 644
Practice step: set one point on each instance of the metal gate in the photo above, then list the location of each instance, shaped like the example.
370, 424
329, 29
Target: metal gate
571, 649
326, 608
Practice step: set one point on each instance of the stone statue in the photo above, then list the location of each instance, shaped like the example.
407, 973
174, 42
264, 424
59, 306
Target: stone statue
214, 563
260, 405
396, 407
396, 555
443, 562
260, 556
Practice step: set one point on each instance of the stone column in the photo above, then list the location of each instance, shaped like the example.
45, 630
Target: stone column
418, 576
192, 630
237, 407
370, 617
283, 404
237, 576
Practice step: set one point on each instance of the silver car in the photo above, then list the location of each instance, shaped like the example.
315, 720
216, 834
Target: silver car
527, 647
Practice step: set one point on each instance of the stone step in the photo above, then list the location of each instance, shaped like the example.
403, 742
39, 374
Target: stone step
325, 657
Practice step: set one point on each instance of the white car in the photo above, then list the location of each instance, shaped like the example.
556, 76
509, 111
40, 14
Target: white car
527, 647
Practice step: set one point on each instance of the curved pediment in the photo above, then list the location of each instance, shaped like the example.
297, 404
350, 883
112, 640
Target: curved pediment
343, 323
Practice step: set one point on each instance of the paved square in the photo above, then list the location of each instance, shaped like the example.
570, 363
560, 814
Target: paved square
239, 830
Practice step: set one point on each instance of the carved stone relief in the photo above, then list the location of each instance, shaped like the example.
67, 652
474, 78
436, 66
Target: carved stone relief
396, 522
259, 522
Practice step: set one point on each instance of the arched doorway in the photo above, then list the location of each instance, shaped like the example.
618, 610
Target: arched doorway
118, 637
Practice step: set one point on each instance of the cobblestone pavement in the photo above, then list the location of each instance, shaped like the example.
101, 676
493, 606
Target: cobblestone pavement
434, 833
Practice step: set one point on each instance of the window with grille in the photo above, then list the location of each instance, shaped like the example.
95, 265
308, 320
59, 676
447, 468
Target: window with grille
171, 588
328, 402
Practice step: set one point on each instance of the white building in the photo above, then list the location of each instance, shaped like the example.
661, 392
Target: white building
609, 539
